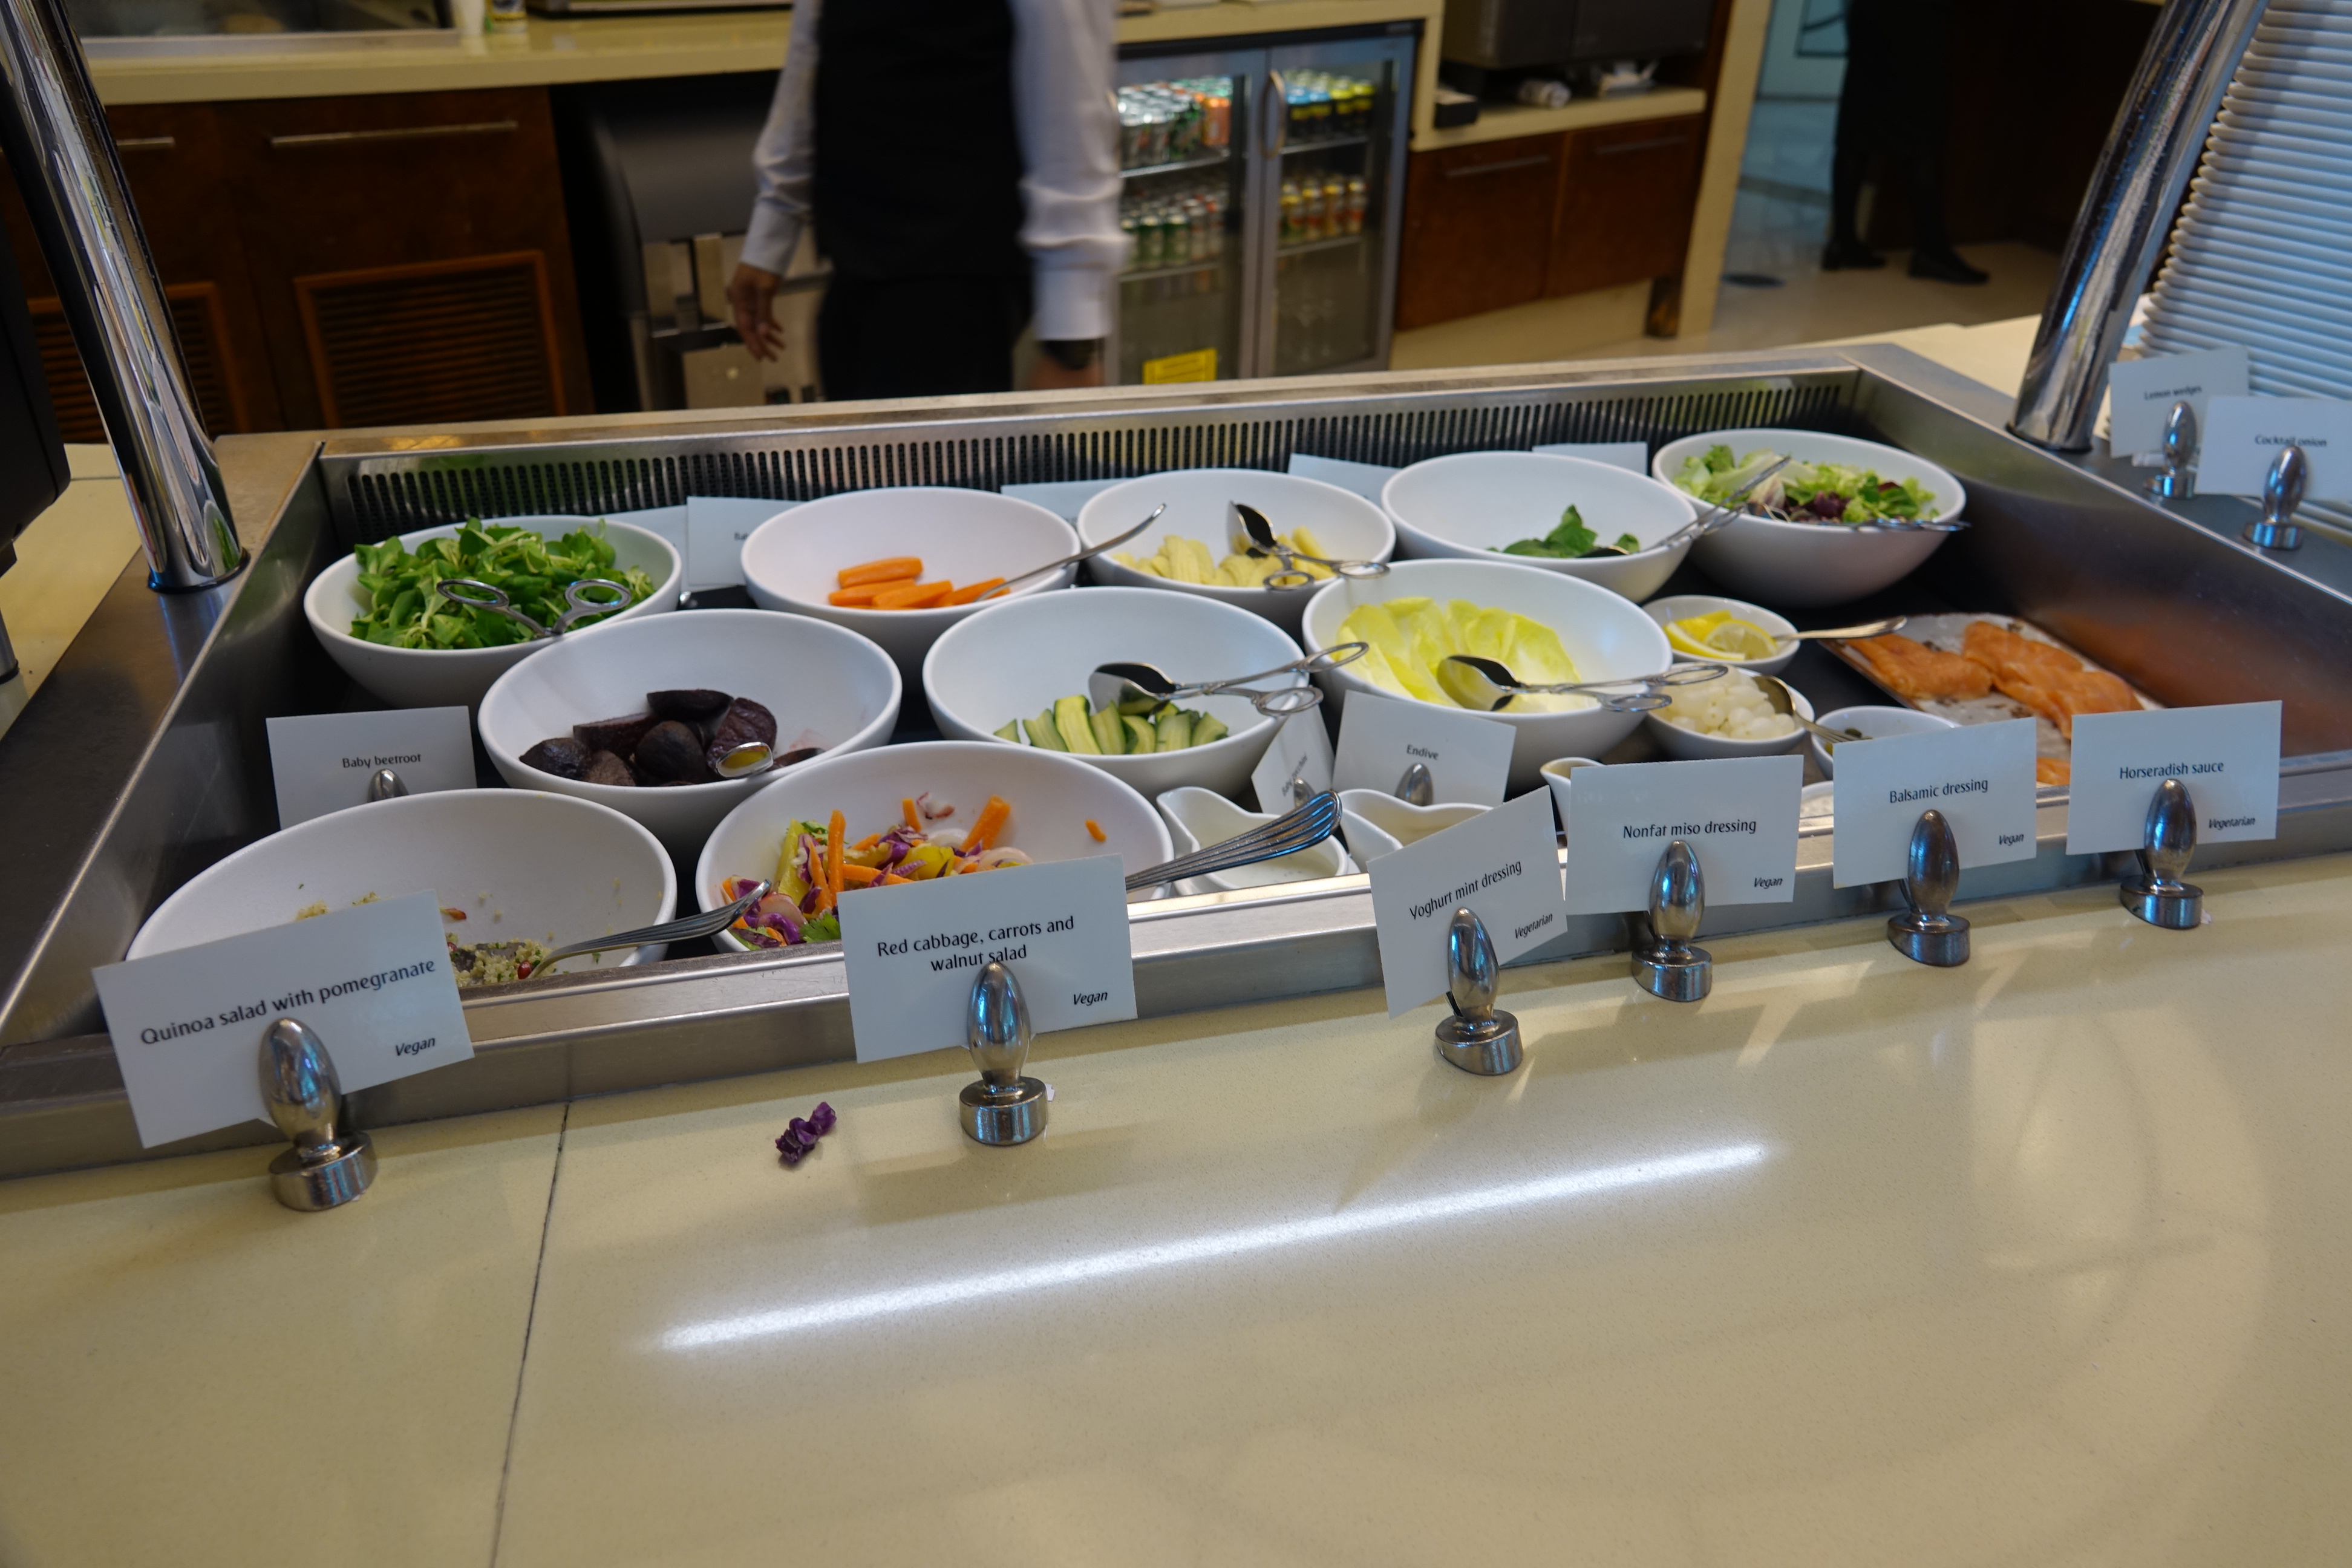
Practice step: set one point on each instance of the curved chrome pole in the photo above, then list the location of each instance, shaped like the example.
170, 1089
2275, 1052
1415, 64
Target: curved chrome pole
63, 154
2150, 153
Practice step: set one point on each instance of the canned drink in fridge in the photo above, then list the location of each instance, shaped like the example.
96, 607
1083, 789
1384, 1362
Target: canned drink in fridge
1359, 196
1312, 211
1291, 213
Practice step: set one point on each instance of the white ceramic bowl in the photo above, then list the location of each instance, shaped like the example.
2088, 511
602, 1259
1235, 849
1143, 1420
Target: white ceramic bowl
1198, 817
1605, 634
1378, 824
816, 678
1682, 606
792, 561
1875, 724
1015, 660
1468, 506
447, 677
1559, 778
1690, 746
1801, 564
1052, 797
521, 864
1349, 527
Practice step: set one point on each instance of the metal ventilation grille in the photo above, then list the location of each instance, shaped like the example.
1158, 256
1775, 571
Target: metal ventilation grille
376, 498
203, 345
432, 343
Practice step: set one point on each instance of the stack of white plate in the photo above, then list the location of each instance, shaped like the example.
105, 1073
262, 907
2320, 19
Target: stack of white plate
2262, 255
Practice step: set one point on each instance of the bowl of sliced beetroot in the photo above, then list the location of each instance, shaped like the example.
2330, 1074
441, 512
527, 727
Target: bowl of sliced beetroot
684, 717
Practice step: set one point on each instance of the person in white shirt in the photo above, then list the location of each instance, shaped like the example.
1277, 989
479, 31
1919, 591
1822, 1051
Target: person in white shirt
958, 161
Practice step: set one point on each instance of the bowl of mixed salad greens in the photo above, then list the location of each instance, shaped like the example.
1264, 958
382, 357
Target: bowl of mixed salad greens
377, 615
1817, 532
1569, 515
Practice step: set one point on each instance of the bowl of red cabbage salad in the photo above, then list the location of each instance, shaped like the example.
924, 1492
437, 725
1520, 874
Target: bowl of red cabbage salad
1803, 491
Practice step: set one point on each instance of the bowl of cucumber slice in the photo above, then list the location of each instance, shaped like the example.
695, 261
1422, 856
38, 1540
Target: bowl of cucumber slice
1016, 674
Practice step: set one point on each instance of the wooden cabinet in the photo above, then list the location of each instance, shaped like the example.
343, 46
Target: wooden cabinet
1624, 210
1478, 222
400, 259
1502, 223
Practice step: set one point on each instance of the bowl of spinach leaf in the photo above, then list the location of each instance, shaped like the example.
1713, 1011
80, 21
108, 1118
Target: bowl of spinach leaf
1569, 515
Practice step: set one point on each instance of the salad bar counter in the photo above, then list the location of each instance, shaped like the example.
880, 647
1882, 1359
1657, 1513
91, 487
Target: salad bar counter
922, 709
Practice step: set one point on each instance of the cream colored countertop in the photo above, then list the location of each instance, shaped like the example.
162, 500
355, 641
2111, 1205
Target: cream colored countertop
2045, 1260
614, 48
1502, 121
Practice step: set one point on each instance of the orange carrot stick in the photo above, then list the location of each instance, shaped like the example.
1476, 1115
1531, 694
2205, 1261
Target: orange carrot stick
892, 879
972, 590
835, 830
889, 569
859, 598
869, 842
907, 809
1095, 829
859, 876
911, 595
985, 825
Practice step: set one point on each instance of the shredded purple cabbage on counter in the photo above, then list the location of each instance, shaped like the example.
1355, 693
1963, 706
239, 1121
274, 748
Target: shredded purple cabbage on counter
800, 1138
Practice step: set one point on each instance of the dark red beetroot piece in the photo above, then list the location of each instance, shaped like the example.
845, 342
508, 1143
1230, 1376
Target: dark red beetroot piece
604, 768
671, 753
618, 736
698, 707
744, 723
560, 756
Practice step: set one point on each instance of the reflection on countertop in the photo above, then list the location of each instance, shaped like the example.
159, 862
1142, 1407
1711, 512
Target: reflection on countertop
2040, 1259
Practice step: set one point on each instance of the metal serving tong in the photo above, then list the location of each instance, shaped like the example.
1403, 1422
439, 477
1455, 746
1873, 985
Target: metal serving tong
707, 923
479, 595
1726, 511
1262, 544
1302, 829
1488, 684
1116, 685
1088, 553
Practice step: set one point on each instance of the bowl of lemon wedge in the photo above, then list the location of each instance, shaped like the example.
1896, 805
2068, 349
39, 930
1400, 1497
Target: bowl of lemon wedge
1703, 629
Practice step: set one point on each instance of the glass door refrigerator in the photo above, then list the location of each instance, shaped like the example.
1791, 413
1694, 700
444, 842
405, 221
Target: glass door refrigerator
1261, 186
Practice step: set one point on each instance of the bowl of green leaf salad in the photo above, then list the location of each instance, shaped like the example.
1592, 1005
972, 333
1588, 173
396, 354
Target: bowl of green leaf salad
378, 613
1830, 527
1569, 515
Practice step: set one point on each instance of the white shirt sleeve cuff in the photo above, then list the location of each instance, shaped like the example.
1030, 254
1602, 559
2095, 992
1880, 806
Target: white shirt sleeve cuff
770, 241
1069, 303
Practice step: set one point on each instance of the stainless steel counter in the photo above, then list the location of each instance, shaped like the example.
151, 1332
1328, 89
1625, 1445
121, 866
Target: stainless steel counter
141, 761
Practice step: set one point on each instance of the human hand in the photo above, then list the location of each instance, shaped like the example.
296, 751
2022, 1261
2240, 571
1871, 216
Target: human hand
1050, 375
751, 293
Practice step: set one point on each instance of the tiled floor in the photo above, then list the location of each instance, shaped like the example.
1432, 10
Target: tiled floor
1813, 306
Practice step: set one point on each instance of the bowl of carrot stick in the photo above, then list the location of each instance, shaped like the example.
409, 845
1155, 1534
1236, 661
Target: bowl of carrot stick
902, 565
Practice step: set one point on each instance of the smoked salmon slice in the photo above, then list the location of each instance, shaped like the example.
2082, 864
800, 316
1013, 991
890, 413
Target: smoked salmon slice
1919, 673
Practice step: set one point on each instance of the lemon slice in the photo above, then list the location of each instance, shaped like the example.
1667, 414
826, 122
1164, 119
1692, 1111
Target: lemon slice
1689, 635
1741, 640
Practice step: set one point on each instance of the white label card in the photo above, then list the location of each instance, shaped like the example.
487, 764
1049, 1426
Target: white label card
1064, 498
1364, 479
372, 981
913, 951
1738, 816
1468, 758
670, 521
2226, 757
1981, 776
324, 762
1504, 864
2243, 436
1633, 455
1302, 747
2141, 393
715, 528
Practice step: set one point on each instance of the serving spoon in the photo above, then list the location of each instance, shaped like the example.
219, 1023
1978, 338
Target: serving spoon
679, 929
1488, 684
1776, 692
1264, 543
1114, 685
1088, 553
1867, 629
